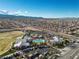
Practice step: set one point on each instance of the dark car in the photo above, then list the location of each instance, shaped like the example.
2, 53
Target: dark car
27, 50
44, 46
9, 57
16, 54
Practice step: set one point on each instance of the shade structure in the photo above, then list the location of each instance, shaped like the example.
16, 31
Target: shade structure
38, 41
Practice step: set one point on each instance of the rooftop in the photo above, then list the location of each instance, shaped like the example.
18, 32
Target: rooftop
39, 41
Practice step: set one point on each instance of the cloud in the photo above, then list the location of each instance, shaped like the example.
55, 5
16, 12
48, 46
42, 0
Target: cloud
3, 11
17, 13
21, 12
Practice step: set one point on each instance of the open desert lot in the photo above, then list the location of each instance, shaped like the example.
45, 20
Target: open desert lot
6, 38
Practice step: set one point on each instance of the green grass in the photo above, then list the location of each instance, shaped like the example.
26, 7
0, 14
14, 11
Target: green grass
6, 39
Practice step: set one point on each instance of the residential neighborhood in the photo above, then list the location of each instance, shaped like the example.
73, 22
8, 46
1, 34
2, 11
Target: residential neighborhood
39, 29
36, 44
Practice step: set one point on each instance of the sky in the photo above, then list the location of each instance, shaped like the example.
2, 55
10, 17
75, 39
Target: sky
41, 8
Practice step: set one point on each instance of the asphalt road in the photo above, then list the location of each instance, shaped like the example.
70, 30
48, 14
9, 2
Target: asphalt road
72, 54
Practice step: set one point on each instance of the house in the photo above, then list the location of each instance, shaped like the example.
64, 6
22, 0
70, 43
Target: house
56, 40
18, 42
22, 42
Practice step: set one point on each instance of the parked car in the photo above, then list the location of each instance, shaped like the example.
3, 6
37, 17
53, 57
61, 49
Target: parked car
8, 57
44, 46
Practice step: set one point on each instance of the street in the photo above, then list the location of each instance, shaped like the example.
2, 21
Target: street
72, 54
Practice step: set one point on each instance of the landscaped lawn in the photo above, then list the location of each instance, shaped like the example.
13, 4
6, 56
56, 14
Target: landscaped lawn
6, 38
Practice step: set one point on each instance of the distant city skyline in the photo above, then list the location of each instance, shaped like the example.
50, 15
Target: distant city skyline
41, 8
